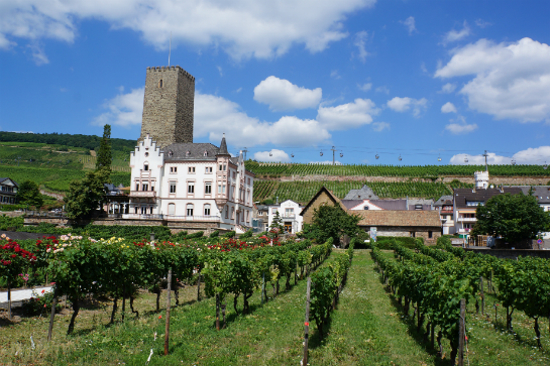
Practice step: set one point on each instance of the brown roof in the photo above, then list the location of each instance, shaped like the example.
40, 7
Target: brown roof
334, 199
398, 218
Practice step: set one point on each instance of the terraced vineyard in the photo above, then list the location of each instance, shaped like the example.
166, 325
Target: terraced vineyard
302, 192
274, 170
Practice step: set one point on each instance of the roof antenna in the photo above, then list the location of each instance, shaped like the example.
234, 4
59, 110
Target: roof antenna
169, 49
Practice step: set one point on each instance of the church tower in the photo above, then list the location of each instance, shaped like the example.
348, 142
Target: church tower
168, 105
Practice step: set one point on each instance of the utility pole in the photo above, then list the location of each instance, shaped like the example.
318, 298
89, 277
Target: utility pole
333, 155
486, 155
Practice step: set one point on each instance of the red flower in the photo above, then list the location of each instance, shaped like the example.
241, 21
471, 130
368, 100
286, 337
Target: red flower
160, 316
14, 255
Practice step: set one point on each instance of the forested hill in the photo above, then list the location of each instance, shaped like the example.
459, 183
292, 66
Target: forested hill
90, 142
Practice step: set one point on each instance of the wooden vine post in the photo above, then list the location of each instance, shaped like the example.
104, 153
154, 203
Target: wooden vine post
461, 329
306, 323
199, 287
482, 296
52, 314
9, 300
167, 329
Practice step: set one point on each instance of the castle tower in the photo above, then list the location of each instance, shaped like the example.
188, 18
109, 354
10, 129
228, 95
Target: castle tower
168, 105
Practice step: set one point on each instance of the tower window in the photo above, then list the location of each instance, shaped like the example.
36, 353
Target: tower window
161, 83
145, 167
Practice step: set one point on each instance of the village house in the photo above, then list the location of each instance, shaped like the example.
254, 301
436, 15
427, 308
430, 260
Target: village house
8, 191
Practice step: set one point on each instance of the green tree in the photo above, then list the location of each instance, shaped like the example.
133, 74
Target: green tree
104, 155
276, 226
86, 195
514, 217
28, 193
332, 222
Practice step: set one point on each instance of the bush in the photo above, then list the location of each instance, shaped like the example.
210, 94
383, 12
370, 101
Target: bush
198, 234
360, 240
215, 234
12, 207
246, 235
11, 223
384, 242
230, 234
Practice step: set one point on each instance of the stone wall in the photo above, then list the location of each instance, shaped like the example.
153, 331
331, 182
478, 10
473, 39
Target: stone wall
405, 231
168, 105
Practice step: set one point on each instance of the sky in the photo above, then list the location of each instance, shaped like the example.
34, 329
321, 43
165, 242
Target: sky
410, 81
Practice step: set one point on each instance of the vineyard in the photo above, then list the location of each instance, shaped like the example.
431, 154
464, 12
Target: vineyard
275, 170
434, 280
302, 192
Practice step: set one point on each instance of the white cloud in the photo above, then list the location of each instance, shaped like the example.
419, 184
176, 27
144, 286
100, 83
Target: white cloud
448, 108
538, 155
38, 55
243, 28
383, 89
512, 80
459, 128
124, 110
404, 104
455, 35
346, 116
365, 87
448, 88
482, 24
282, 95
215, 115
380, 126
334, 74
274, 155
410, 24
360, 41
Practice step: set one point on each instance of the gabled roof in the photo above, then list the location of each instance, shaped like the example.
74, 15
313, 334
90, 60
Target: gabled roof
398, 218
2, 180
335, 200
464, 195
446, 200
364, 193
542, 193
395, 204
190, 151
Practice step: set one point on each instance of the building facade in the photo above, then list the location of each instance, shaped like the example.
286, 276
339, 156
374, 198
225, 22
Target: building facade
8, 191
289, 212
176, 180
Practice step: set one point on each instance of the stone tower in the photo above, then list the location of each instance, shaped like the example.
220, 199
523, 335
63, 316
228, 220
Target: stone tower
168, 105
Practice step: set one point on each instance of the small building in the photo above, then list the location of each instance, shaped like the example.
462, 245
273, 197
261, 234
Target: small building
289, 212
415, 224
322, 197
260, 217
445, 207
8, 191
541, 193
466, 201
365, 193
420, 204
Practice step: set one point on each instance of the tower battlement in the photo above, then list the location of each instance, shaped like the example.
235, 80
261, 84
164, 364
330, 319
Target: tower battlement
168, 105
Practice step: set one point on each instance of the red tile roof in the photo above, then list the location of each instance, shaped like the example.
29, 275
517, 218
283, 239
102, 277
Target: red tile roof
398, 218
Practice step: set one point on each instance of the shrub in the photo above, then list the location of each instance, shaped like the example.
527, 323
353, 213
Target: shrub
215, 234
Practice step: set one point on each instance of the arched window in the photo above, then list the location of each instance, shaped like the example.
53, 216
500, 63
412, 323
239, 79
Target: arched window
207, 209
171, 209
189, 209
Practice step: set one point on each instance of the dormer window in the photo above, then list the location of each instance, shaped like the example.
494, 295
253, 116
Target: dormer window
205, 153
187, 153
170, 153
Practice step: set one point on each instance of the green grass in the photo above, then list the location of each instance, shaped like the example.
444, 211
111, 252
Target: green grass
368, 328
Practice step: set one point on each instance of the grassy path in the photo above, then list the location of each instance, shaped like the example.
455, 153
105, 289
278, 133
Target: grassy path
366, 329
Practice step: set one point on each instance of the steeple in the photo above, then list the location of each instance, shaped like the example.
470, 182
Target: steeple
223, 147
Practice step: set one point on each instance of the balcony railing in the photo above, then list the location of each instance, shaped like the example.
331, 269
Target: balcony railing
466, 219
143, 194
167, 217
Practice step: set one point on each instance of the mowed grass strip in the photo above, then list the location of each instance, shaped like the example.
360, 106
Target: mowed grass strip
366, 329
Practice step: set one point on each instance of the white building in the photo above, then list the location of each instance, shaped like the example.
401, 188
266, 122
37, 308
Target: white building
191, 183
289, 212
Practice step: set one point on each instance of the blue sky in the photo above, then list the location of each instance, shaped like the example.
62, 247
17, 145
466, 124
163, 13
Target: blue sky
416, 79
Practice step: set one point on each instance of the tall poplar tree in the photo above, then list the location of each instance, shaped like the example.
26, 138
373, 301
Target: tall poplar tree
104, 155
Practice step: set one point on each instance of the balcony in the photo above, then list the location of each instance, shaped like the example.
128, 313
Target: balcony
288, 216
466, 219
191, 218
143, 194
